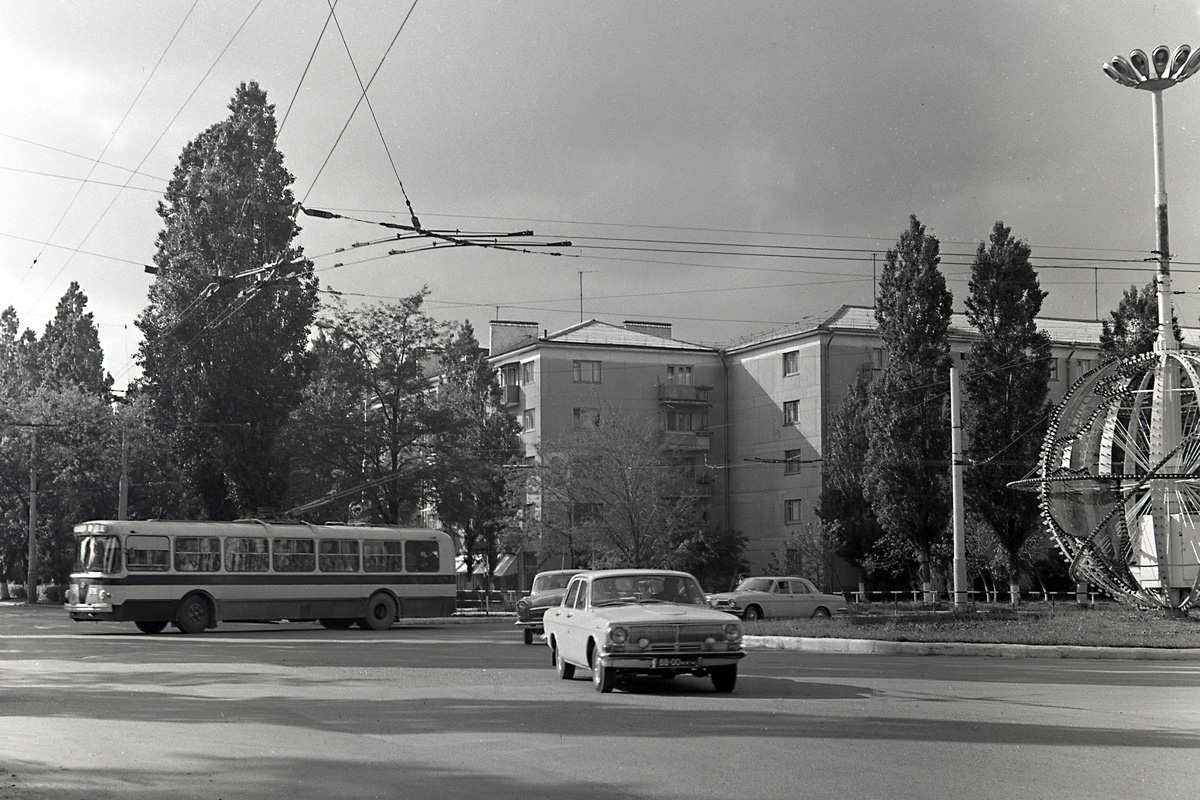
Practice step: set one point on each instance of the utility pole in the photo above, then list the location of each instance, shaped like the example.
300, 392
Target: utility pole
123, 488
956, 482
31, 572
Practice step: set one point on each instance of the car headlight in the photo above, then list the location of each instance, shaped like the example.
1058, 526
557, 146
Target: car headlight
733, 633
522, 606
618, 635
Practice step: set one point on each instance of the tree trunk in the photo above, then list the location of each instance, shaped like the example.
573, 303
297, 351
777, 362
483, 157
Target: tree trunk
1014, 579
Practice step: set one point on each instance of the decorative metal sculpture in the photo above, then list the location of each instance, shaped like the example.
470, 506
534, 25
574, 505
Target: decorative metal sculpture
1120, 485
1120, 466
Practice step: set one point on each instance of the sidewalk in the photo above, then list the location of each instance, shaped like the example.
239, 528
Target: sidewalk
873, 646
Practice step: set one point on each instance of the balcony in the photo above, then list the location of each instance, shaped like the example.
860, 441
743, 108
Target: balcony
675, 393
510, 395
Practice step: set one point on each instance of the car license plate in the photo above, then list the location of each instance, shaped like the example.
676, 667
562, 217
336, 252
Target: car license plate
663, 663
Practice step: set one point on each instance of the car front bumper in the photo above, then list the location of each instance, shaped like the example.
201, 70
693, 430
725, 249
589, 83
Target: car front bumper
675, 661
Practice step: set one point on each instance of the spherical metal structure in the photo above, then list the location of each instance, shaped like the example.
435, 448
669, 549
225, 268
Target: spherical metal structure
1120, 478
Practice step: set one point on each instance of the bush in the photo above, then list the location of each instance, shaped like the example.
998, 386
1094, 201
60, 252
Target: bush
50, 593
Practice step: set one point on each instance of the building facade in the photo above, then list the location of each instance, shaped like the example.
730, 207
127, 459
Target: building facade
752, 415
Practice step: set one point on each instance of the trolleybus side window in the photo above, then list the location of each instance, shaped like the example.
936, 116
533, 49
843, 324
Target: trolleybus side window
247, 554
295, 555
339, 555
197, 554
382, 556
98, 554
422, 556
147, 553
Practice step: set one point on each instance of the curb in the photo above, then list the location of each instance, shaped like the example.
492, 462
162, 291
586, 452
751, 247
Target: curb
872, 646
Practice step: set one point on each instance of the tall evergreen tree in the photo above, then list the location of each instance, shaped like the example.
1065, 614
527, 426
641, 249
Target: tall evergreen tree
224, 358
907, 473
69, 352
1008, 371
1132, 328
844, 509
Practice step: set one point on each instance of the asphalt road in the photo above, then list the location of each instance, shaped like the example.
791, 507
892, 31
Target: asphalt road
443, 710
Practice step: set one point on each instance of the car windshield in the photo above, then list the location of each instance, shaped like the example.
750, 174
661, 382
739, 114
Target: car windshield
550, 583
98, 554
754, 585
649, 588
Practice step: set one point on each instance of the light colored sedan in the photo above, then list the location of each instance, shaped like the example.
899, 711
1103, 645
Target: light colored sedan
648, 622
755, 598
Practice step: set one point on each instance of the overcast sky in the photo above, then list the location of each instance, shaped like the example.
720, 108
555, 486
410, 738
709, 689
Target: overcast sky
791, 140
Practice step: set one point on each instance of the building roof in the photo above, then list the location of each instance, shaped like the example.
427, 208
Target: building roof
862, 319
596, 332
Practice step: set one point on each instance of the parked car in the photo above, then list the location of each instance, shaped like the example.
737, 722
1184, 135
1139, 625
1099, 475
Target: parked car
755, 598
641, 621
547, 590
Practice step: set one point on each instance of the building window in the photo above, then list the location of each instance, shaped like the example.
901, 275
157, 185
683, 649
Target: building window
791, 512
528, 373
681, 420
679, 375
509, 374
794, 564
1083, 365
588, 512
585, 371
586, 418
529, 419
1053, 369
791, 362
791, 412
876, 358
791, 461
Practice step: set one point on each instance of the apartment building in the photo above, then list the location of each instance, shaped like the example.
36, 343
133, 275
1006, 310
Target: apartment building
752, 415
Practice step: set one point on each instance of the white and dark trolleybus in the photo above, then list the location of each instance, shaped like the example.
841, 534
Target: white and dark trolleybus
196, 574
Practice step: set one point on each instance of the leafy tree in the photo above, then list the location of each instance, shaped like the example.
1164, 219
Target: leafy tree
224, 354
613, 490
906, 480
476, 453
844, 511
18, 358
1008, 373
717, 557
69, 352
1133, 327
366, 422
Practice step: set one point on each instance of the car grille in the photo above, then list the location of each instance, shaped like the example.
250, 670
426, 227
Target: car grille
677, 638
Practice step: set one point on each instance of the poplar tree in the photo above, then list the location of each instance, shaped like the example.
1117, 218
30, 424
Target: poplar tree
907, 476
224, 353
844, 510
1006, 413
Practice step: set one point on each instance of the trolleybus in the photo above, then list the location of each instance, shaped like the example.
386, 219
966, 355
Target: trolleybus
196, 574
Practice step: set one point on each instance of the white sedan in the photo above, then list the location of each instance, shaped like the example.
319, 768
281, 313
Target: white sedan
649, 622
755, 598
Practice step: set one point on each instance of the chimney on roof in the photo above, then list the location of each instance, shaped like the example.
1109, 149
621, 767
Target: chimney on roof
505, 335
662, 329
